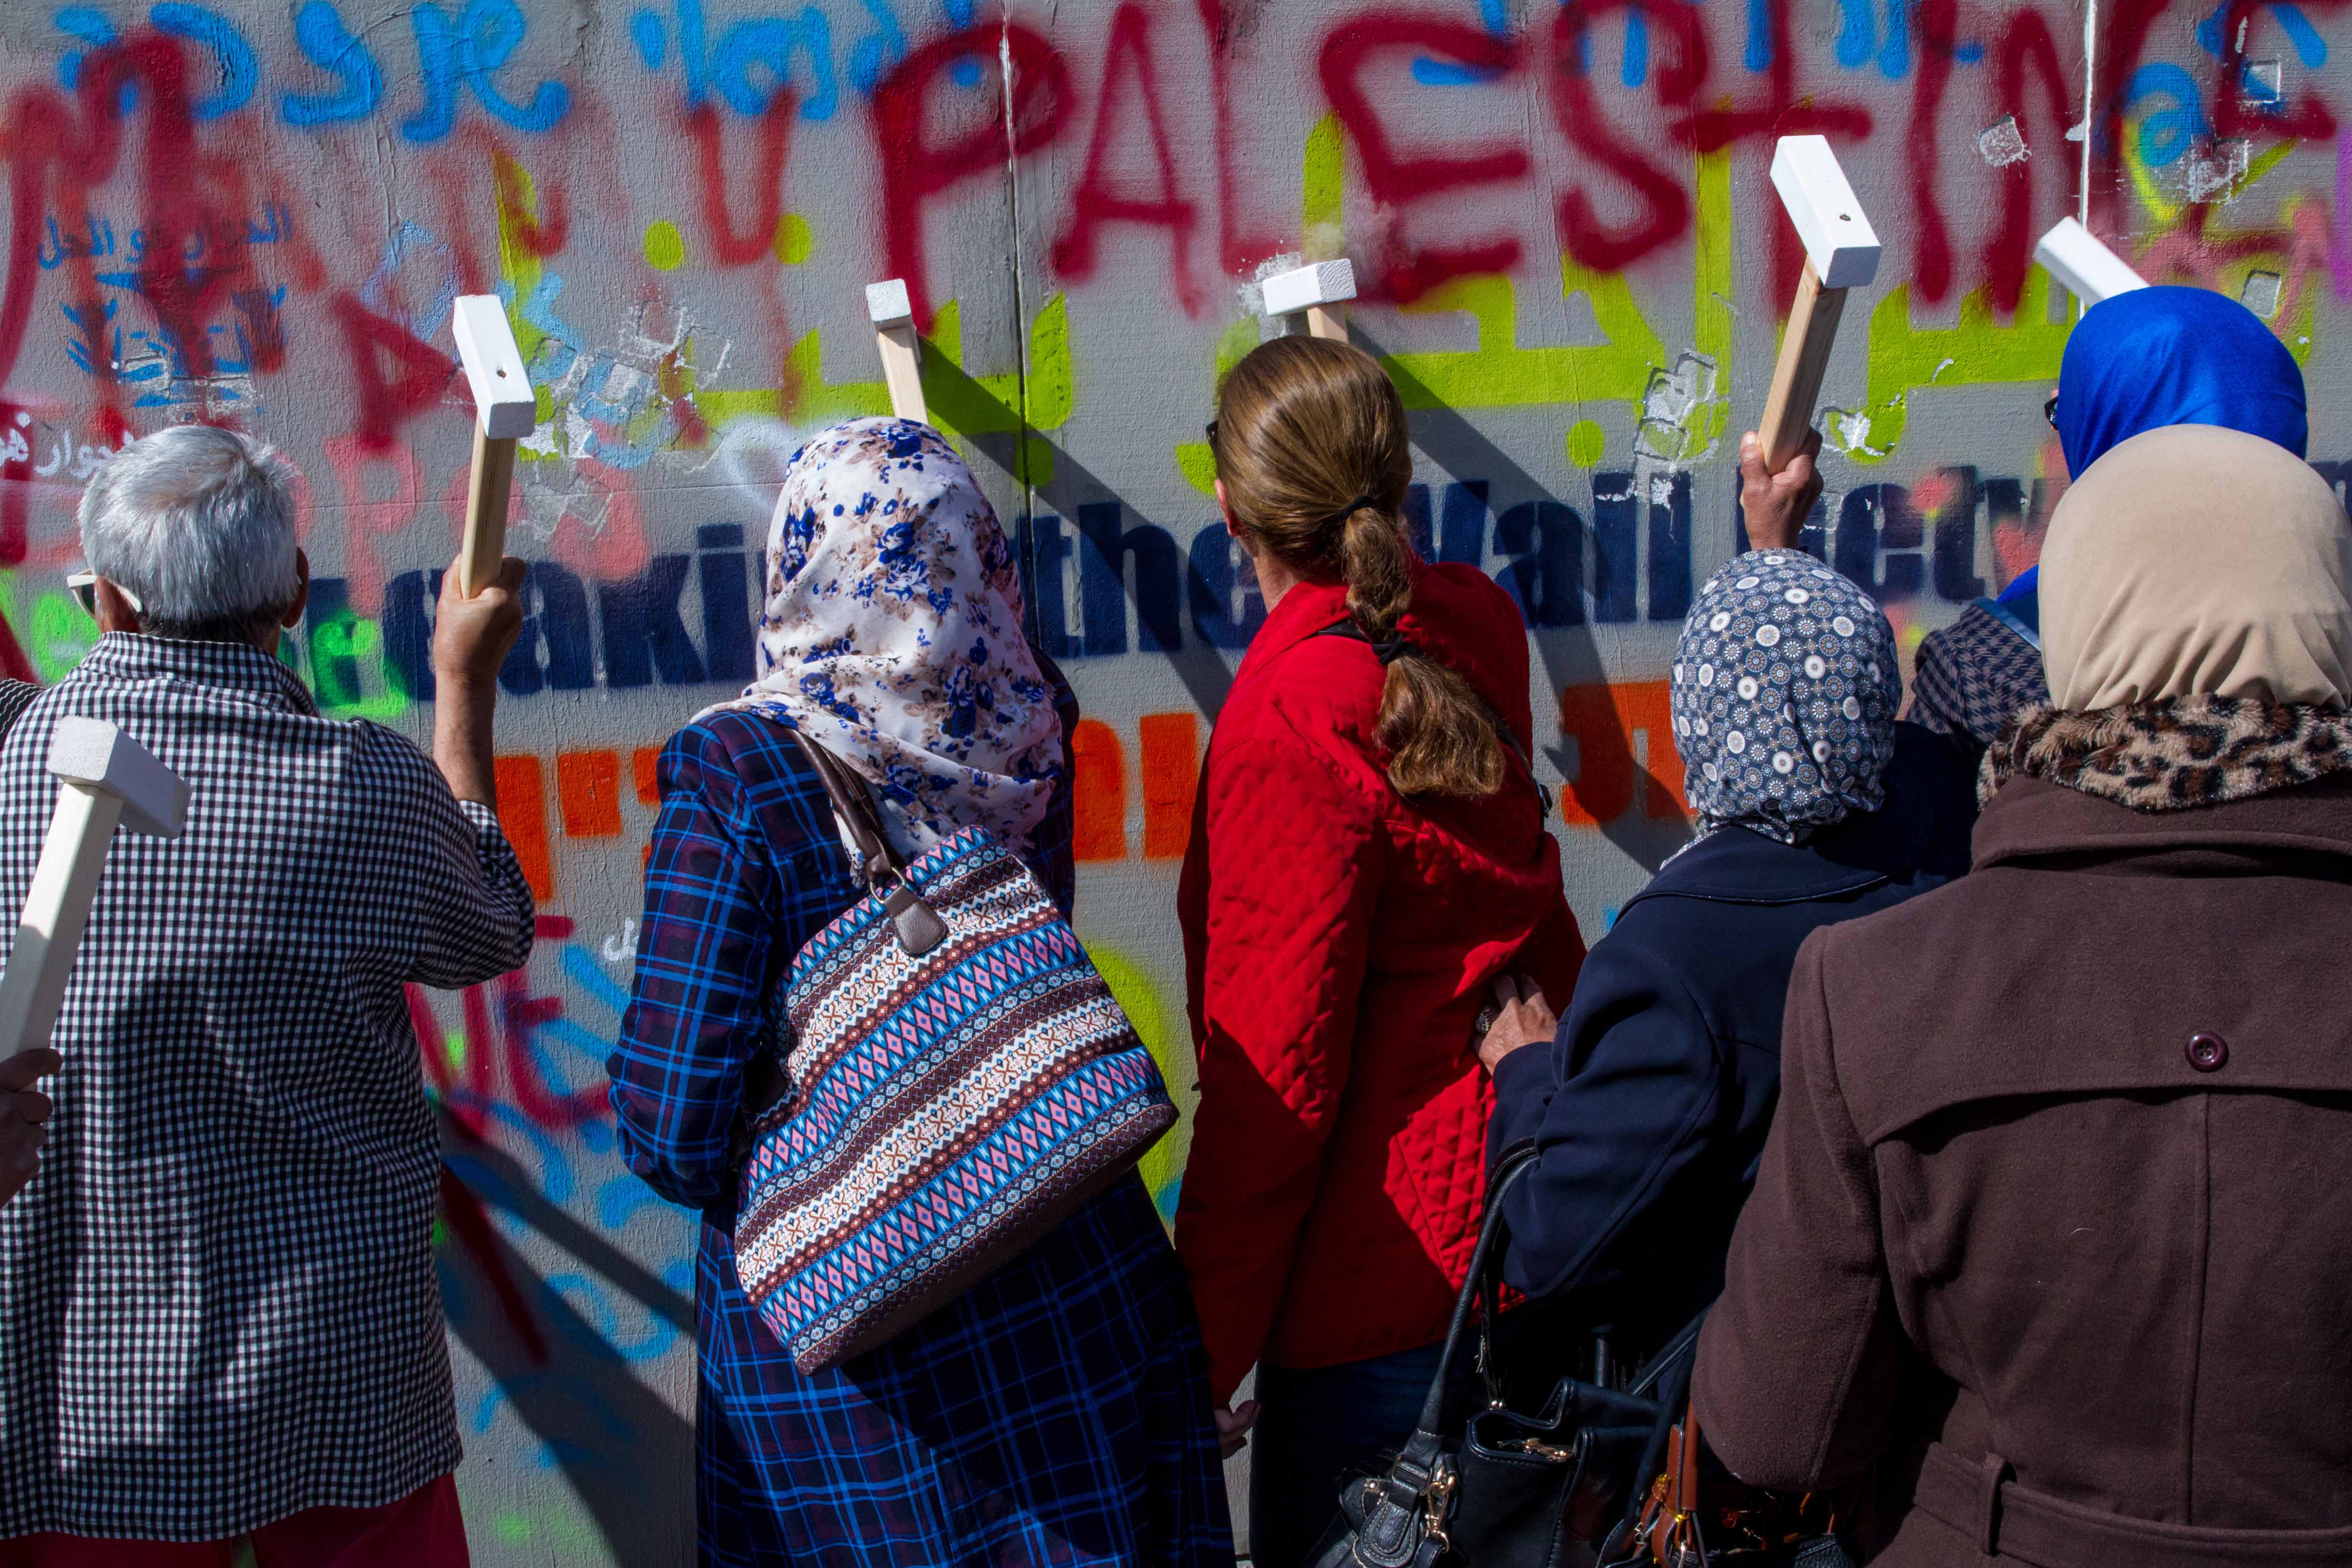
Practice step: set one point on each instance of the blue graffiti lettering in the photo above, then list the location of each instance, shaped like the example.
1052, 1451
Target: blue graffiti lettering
466, 51
239, 69
326, 43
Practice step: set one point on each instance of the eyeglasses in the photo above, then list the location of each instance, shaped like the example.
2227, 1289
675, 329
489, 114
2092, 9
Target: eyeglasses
2050, 409
83, 586
1212, 434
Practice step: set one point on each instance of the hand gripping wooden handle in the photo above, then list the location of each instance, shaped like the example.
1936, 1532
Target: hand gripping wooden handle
1797, 377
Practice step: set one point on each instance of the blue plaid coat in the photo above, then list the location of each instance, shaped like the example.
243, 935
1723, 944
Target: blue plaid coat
1058, 1412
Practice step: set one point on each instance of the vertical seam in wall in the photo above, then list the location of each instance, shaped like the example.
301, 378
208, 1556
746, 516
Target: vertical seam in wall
1020, 312
2090, 106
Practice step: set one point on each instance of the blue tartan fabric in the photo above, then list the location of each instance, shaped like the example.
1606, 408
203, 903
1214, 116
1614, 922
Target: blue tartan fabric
1058, 1412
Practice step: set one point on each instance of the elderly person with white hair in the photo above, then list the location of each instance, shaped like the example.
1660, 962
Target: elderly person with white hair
222, 1311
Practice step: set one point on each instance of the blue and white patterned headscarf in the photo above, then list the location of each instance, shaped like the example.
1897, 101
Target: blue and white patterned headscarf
892, 635
1785, 689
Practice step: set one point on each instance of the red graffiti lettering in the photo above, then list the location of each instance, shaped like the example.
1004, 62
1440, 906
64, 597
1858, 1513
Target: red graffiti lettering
2122, 41
371, 519
1405, 272
1786, 109
1237, 250
2009, 251
1098, 198
2306, 118
1931, 243
916, 169
539, 229
389, 396
729, 247
1665, 205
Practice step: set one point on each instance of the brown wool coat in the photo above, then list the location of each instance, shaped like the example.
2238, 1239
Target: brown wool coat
2056, 1218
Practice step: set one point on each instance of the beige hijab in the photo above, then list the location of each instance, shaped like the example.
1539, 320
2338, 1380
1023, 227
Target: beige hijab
2195, 561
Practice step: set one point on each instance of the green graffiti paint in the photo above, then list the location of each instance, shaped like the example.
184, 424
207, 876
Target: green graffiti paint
665, 247
793, 239
1587, 442
1981, 350
1322, 187
61, 635
523, 270
1165, 1032
353, 642
1498, 374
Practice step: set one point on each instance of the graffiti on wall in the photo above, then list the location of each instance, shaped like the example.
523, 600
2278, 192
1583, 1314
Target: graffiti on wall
1574, 268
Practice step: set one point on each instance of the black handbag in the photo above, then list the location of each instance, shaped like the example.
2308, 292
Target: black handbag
1508, 1488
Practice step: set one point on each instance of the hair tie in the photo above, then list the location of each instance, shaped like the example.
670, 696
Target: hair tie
1353, 507
1393, 649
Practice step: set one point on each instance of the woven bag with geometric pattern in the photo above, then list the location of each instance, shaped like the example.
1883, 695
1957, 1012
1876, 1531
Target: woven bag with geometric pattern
956, 1080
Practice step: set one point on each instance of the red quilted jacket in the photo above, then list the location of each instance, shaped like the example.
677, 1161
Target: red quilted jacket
1339, 940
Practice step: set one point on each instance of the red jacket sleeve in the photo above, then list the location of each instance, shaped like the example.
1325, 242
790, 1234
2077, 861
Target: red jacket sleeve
1280, 884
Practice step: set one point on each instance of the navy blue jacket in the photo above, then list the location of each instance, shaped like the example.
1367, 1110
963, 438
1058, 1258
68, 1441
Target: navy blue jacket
1651, 1107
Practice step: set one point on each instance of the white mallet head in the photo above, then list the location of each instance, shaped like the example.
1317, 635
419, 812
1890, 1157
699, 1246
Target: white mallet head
887, 305
2090, 271
503, 400
94, 753
1837, 236
1324, 283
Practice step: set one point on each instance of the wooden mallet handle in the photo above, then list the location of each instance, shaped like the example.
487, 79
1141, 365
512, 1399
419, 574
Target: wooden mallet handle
1841, 251
505, 409
1797, 376
487, 493
893, 314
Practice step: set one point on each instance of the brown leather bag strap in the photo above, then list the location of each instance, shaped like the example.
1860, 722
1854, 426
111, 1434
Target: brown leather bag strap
1685, 1463
853, 803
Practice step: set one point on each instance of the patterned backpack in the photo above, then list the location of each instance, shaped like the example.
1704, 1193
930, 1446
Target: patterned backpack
956, 1080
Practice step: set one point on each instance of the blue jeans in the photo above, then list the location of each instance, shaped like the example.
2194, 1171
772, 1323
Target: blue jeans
1315, 1425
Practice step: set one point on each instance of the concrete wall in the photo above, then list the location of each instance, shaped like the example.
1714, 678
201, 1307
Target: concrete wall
1564, 215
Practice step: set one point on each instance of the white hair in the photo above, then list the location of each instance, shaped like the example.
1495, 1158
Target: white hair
195, 521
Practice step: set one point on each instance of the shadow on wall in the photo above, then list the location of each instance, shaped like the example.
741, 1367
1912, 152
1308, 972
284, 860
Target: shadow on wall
629, 1458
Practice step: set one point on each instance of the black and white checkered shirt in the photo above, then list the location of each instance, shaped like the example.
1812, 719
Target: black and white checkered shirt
217, 1300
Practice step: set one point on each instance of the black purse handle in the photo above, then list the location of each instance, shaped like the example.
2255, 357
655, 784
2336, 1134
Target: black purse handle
1516, 1161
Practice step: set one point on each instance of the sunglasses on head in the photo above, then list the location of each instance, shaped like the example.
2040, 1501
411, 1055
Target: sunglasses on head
83, 586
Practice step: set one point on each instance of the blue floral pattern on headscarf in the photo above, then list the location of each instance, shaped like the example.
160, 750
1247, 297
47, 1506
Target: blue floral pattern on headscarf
892, 635
1784, 693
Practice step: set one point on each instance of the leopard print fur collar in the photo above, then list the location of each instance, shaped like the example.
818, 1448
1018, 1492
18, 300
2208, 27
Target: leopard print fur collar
2165, 756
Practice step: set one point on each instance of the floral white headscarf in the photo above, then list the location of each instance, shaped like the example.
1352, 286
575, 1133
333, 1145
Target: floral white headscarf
1784, 692
892, 635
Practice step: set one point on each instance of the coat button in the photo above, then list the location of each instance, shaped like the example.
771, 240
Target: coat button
2207, 1053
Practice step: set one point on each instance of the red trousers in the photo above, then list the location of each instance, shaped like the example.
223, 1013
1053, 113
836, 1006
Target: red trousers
422, 1529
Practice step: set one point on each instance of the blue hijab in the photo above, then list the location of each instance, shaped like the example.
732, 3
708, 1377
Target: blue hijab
2161, 356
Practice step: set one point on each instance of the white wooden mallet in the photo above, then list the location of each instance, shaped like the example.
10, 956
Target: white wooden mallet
505, 408
1322, 291
1841, 252
2079, 260
902, 354
105, 778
